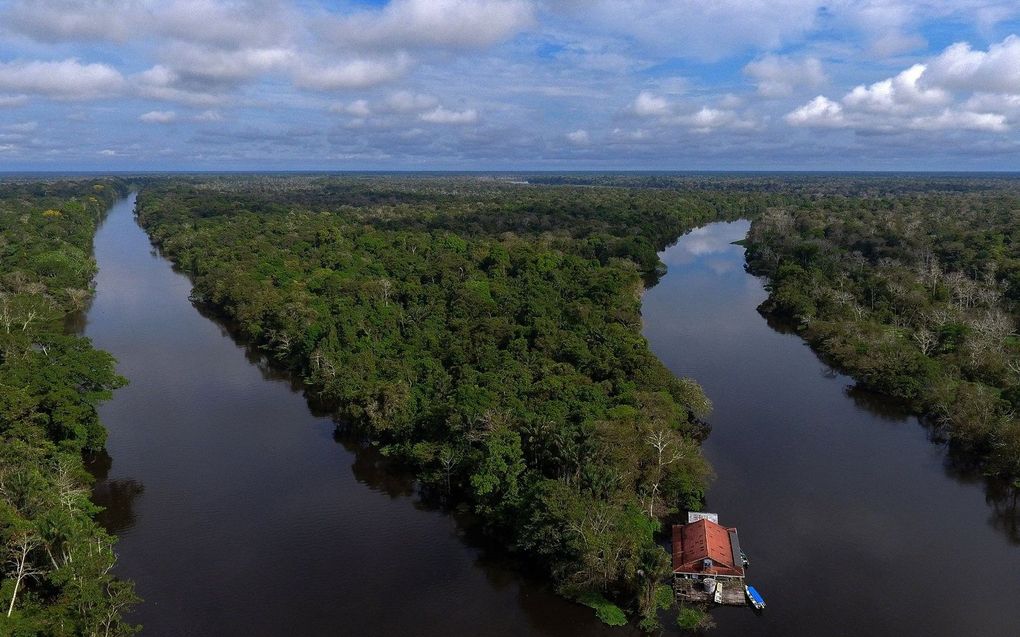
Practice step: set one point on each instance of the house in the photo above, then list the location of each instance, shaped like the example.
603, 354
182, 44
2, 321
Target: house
707, 555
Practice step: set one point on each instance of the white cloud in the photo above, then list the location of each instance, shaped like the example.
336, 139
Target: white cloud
926, 96
165, 84
357, 108
579, 137
64, 20
230, 24
440, 115
899, 94
960, 120
67, 80
707, 119
158, 117
820, 111
409, 102
208, 116
647, 104
704, 120
961, 68
403, 24
779, 76
358, 73
227, 65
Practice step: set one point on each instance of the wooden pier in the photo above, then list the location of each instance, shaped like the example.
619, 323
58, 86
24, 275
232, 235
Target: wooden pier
693, 590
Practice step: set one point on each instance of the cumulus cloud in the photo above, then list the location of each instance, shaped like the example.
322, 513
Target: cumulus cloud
900, 94
779, 76
703, 120
579, 137
440, 115
67, 80
926, 97
961, 120
647, 104
218, 65
406, 24
706, 120
63, 20
358, 73
158, 117
391, 81
165, 84
961, 68
819, 112
409, 102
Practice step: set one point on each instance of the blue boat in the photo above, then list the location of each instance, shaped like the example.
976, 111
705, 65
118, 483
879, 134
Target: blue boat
754, 597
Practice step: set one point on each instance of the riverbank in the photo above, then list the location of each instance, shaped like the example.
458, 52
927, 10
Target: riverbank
56, 558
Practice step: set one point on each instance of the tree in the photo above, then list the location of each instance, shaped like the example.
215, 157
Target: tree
20, 545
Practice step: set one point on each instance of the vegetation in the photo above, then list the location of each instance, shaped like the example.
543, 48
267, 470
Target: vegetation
56, 560
693, 618
915, 294
486, 333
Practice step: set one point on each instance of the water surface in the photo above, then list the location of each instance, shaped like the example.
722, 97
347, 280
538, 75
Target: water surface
240, 513
854, 522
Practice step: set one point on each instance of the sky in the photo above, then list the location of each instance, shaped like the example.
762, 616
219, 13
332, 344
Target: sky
510, 85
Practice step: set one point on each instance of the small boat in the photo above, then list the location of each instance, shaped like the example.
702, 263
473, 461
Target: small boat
754, 597
718, 593
743, 559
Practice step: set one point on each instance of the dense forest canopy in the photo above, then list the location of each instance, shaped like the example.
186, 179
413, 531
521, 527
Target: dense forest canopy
485, 332
917, 295
56, 560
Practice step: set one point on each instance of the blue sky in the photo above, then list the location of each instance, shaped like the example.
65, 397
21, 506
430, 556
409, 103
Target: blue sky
510, 84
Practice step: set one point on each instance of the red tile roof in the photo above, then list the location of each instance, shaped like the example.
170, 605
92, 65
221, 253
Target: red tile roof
695, 542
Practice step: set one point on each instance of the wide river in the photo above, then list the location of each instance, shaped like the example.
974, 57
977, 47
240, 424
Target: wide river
240, 512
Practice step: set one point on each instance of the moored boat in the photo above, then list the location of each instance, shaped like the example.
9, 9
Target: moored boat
757, 601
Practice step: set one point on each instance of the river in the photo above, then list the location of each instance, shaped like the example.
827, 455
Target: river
240, 512
854, 522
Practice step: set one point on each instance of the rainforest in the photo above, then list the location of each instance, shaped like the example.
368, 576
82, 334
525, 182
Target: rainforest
485, 335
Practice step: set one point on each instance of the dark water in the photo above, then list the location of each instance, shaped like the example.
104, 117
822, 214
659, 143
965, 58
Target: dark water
854, 522
238, 511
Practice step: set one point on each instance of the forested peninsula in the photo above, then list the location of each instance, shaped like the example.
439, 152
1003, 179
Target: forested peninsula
56, 559
484, 332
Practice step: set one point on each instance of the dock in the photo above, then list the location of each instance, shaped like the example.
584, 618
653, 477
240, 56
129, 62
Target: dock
728, 593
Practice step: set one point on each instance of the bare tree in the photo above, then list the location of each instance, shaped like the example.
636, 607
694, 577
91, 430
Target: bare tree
926, 340
449, 458
668, 448
19, 549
